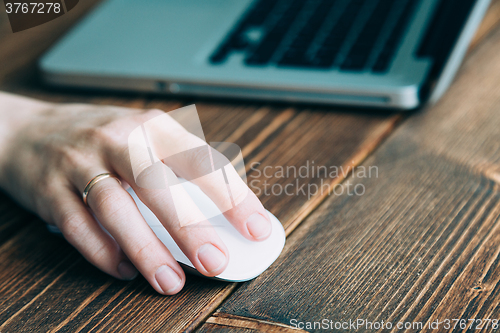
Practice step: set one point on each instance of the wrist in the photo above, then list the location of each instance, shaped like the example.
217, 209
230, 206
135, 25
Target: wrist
15, 113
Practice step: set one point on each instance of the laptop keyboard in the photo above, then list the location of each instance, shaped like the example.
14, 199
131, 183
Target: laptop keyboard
348, 35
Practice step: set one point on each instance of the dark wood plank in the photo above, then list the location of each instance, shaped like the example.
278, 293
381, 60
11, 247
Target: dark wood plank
219, 328
421, 244
490, 21
47, 286
295, 138
111, 299
322, 139
226, 323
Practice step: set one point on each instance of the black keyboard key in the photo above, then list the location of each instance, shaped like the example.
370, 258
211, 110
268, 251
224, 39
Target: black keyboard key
220, 55
264, 52
391, 45
360, 51
328, 52
258, 13
296, 55
443, 31
354, 62
255, 17
313, 33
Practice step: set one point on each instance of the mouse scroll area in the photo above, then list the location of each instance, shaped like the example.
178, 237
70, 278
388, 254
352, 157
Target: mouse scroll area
247, 259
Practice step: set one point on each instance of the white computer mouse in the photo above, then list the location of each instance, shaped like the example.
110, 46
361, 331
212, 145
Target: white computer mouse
247, 259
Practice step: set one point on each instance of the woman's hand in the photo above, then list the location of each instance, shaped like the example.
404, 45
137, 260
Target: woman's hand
48, 153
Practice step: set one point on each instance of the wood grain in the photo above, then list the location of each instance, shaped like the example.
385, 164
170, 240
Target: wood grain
243, 324
219, 328
47, 286
490, 21
107, 302
422, 243
290, 138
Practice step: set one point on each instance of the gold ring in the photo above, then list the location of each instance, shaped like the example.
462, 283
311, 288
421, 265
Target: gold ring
94, 181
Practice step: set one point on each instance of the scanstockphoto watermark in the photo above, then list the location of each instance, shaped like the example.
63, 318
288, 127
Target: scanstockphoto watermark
369, 325
289, 180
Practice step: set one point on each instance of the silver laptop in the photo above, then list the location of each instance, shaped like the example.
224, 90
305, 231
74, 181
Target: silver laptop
377, 53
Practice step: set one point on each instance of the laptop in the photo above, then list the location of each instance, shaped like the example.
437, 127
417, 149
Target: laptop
396, 54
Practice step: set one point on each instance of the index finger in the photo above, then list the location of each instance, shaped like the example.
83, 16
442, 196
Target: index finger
190, 157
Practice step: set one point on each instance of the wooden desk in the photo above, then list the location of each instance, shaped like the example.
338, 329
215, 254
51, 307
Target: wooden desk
421, 243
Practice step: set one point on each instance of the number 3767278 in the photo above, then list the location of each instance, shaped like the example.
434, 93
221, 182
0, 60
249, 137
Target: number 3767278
33, 7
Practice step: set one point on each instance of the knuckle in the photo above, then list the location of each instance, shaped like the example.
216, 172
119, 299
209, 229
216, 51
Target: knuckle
240, 194
71, 225
50, 185
105, 135
100, 254
152, 113
144, 251
107, 201
47, 197
110, 134
71, 158
147, 115
200, 160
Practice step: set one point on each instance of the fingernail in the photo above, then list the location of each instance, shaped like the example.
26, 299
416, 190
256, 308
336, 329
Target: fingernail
258, 226
167, 278
211, 258
127, 270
